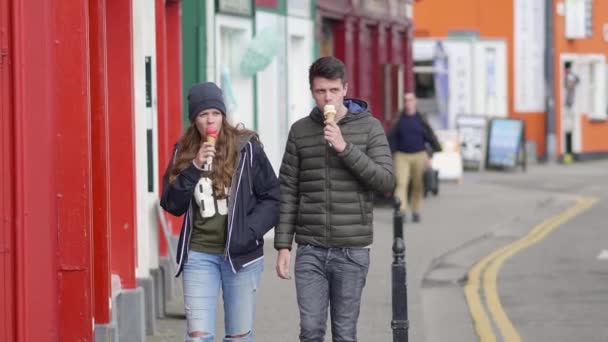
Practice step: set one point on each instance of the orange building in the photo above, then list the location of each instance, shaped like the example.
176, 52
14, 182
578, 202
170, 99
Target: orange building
580, 40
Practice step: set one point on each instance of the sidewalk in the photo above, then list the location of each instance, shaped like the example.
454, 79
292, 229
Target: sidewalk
458, 227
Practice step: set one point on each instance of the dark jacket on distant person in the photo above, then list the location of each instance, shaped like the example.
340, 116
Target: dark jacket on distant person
427, 140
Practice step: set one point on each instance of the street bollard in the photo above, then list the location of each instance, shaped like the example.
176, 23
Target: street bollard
400, 323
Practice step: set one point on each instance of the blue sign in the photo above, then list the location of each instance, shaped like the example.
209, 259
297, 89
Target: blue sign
504, 142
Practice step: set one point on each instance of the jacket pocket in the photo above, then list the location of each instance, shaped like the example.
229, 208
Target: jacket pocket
362, 209
245, 242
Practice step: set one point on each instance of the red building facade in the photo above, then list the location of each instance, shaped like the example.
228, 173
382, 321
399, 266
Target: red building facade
169, 92
67, 199
373, 38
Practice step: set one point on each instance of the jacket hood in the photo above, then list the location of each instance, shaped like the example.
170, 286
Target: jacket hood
357, 109
244, 137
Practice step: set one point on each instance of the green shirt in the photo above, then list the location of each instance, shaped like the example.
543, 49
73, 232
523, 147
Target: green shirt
210, 219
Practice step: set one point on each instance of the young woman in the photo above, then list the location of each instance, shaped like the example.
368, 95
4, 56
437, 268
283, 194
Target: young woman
229, 194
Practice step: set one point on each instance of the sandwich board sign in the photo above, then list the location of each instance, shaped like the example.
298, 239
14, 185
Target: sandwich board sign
505, 144
473, 138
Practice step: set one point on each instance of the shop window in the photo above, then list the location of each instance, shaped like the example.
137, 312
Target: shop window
233, 36
231, 41
424, 79
578, 19
327, 37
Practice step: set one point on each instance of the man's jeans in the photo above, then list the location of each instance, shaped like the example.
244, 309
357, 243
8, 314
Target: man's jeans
204, 275
332, 277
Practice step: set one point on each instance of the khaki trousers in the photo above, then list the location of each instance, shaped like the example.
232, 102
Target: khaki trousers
410, 166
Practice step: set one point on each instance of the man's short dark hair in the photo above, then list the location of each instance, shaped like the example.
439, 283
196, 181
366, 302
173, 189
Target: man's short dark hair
327, 67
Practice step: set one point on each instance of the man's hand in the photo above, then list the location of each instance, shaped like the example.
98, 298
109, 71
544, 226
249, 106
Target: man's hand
333, 136
283, 261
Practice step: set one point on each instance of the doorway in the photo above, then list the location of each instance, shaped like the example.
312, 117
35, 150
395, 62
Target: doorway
569, 84
299, 53
582, 84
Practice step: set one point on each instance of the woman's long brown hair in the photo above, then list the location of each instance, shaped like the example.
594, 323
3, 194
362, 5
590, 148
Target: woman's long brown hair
225, 155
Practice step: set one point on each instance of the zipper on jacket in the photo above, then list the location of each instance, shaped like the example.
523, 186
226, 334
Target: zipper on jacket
231, 217
189, 236
327, 196
231, 198
362, 209
250, 169
186, 240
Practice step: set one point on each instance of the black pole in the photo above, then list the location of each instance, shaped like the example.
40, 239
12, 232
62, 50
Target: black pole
400, 323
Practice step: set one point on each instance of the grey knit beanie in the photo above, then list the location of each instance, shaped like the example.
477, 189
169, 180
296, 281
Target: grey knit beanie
204, 96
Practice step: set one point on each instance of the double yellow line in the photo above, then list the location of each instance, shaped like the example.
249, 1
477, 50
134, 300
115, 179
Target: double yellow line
482, 277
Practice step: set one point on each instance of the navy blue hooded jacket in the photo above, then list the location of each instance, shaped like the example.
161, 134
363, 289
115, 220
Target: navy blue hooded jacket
253, 204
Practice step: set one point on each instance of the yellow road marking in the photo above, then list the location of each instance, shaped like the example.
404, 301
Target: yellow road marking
488, 268
482, 324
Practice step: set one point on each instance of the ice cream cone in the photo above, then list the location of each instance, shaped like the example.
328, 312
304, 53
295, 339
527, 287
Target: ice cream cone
330, 113
211, 139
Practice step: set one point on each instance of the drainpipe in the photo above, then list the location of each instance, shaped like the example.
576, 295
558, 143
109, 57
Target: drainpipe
550, 122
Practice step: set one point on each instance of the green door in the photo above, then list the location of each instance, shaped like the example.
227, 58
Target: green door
194, 47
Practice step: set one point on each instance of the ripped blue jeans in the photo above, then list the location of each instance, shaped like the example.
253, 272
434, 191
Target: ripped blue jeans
203, 277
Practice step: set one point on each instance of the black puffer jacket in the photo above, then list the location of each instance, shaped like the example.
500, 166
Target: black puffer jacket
327, 197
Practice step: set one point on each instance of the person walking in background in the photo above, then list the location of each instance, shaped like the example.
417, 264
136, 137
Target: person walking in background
230, 197
571, 82
335, 160
409, 137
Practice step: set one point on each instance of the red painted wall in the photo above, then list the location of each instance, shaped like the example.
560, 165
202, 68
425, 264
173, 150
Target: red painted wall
174, 90
365, 43
345, 45
35, 191
122, 149
162, 107
174, 69
60, 80
267, 3
7, 195
169, 83
364, 66
100, 136
376, 58
72, 146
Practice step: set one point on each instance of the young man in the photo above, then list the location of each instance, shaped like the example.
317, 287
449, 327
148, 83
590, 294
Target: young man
330, 171
409, 137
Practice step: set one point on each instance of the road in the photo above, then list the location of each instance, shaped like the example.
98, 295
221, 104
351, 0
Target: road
549, 289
